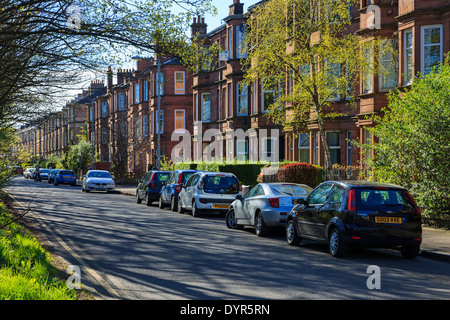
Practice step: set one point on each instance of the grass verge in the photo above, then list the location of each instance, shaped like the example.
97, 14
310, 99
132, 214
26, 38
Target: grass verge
26, 271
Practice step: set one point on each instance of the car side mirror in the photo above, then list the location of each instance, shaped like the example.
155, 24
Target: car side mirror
239, 197
303, 201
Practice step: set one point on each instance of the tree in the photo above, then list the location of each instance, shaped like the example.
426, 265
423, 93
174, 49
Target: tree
414, 136
309, 45
45, 45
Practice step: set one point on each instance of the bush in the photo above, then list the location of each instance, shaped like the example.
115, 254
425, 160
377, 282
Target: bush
300, 172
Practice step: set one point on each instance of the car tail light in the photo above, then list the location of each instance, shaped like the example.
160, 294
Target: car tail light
351, 200
412, 199
151, 181
178, 188
274, 202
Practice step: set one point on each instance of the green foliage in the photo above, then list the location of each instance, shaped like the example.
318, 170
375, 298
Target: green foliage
301, 172
414, 143
79, 156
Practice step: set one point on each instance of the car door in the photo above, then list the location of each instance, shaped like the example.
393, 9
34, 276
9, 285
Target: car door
307, 219
254, 203
142, 189
241, 212
329, 210
165, 190
189, 191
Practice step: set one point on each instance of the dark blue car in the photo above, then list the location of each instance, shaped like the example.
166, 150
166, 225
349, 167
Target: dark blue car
150, 185
172, 187
65, 177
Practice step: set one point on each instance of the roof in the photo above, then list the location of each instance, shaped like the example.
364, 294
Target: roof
360, 183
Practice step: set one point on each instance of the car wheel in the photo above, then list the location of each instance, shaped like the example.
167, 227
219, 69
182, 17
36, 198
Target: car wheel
292, 237
195, 211
173, 204
180, 206
55, 183
230, 220
147, 200
138, 200
336, 245
161, 203
261, 228
410, 252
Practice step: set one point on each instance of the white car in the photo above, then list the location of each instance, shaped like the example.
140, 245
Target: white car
208, 191
98, 180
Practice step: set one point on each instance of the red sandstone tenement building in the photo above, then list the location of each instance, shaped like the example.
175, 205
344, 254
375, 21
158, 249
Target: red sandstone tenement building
123, 118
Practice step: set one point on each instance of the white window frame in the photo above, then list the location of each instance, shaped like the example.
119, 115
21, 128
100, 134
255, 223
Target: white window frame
408, 78
263, 92
136, 93
230, 42
393, 67
145, 90
121, 101
159, 120
180, 91
176, 118
301, 147
242, 156
240, 95
203, 107
367, 77
338, 147
423, 45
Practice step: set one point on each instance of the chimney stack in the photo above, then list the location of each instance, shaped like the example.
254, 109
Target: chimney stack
198, 27
109, 82
236, 8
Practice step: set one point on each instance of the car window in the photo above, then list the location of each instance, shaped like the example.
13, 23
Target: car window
290, 190
99, 175
336, 195
252, 192
371, 199
186, 176
161, 176
221, 184
319, 195
65, 172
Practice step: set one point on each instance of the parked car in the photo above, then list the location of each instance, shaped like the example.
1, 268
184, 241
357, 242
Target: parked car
265, 205
208, 191
52, 174
150, 185
360, 213
28, 173
97, 180
44, 173
17, 170
65, 177
172, 187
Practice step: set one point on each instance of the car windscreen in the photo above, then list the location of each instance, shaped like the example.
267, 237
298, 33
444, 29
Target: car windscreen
44, 170
66, 172
99, 175
186, 176
221, 184
290, 190
160, 176
380, 199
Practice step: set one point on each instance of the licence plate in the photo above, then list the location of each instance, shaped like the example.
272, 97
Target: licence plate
394, 220
221, 206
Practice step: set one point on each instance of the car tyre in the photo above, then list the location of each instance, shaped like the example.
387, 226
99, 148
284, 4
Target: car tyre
161, 203
292, 236
261, 228
173, 204
180, 206
138, 200
148, 202
336, 245
410, 252
195, 211
230, 220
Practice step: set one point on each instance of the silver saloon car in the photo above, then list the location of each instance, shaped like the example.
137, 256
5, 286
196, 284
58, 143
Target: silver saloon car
265, 205
97, 180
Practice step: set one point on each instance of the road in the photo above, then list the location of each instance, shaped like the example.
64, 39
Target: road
130, 251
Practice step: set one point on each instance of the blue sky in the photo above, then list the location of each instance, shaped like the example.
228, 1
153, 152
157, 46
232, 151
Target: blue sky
223, 7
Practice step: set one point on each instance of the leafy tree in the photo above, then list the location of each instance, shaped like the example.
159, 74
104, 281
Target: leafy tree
414, 145
309, 45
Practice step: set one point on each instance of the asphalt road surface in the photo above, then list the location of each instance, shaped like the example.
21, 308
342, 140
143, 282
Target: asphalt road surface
129, 251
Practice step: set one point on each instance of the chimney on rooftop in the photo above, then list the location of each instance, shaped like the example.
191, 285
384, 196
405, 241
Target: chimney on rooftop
198, 27
236, 8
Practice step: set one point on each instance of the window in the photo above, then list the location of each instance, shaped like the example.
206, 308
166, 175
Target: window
316, 148
255, 96
241, 46
349, 148
334, 142
136, 93
179, 82
332, 75
268, 97
206, 107
159, 121
137, 127
242, 150
368, 146
230, 43
389, 66
431, 50
179, 120
104, 136
303, 147
368, 70
268, 148
91, 114
336, 196
145, 90
319, 195
145, 119
104, 109
408, 56
121, 102
159, 81
242, 99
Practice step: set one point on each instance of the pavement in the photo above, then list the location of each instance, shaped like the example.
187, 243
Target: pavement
435, 242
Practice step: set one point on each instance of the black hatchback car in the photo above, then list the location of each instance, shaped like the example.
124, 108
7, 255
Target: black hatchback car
150, 185
172, 187
357, 213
